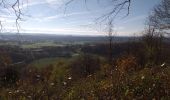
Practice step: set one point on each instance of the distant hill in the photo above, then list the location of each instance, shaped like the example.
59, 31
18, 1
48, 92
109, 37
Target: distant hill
60, 38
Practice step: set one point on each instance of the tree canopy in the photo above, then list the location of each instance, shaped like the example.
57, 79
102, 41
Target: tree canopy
160, 16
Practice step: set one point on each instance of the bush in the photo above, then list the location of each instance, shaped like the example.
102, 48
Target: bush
126, 63
5, 59
84, 65
8, 77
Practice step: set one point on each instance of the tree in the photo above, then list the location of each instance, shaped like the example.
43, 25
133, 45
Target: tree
157, 25
152, 41
160, 16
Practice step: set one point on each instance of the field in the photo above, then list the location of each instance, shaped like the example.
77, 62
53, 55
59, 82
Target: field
44, 62
40, 45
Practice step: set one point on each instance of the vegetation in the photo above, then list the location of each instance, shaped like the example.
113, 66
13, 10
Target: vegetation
88, 76
44, 70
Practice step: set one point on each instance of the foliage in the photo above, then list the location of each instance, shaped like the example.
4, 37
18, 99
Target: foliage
8, 77
5, 60
58, 82
84, 65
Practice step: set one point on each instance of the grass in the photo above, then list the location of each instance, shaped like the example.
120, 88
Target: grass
44, 62
41, 44
8, 43
34, 45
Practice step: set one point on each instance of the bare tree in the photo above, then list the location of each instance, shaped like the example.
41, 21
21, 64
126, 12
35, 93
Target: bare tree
15, 7
110, 36
157, 25
160, 16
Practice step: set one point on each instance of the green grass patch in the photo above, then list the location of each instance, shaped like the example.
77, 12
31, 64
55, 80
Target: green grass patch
44, 62
41, 44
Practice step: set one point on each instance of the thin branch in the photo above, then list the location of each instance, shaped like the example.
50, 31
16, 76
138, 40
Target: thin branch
17, 10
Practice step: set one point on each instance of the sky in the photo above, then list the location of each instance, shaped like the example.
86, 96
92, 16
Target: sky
77, 18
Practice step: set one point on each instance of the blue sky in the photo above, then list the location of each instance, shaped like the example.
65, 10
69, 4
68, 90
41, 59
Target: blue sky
53, 17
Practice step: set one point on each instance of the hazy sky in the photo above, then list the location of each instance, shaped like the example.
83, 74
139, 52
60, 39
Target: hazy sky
50, 16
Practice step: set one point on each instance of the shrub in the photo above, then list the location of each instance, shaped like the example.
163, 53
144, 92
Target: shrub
5, 60
126, 63
84, 65
8, 77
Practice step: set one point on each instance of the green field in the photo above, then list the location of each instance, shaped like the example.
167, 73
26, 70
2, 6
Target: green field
33, 45
41, 44
44, 62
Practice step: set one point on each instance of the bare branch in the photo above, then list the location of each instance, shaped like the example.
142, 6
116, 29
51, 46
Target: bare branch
117, 6
0, 27
160, 17
18, 13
